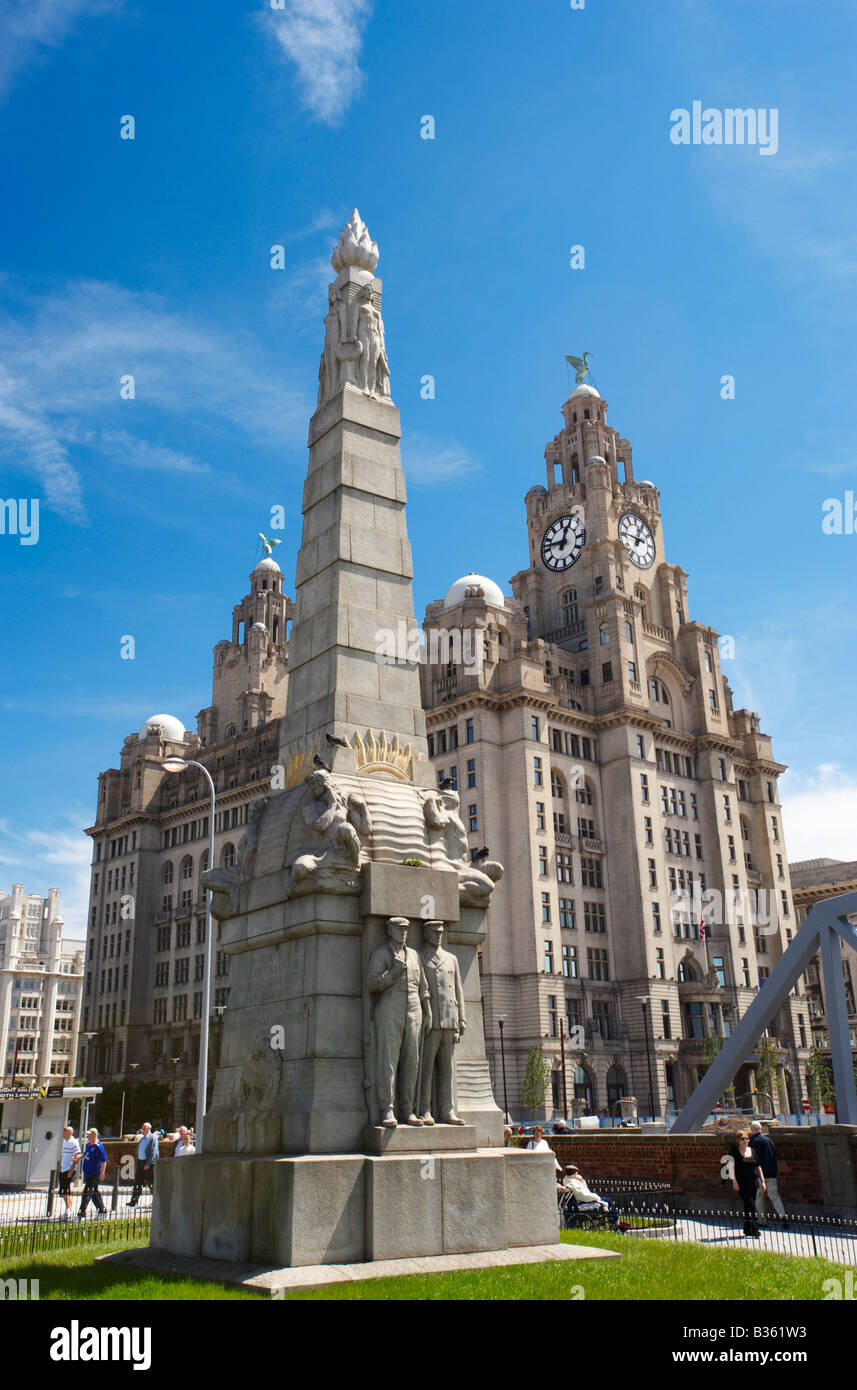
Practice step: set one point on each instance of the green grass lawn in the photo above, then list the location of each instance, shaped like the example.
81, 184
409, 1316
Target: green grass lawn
648, 1270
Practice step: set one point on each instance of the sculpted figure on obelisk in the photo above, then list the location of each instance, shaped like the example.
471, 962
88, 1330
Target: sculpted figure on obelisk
402, 1016
446, 999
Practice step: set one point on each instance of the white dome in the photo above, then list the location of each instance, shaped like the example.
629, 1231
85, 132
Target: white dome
596, 458
267, 564
584, 390
456, 593
259, 627
173, 728
645, 482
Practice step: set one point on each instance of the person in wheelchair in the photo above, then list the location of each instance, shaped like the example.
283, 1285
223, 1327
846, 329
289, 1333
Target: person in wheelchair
579, 1201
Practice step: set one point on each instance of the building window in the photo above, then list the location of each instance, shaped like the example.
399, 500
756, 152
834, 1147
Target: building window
770, 788
546, 907
712, 701
656, 916
730, 840
780, 873
644, 788
569, 956
632, 675
590, 873
566, 913
647, 830
594, 917
745, 971
534, 727
727, 810
784, 898
596, 964
538, 776
548, 949
660, 965
553, 1017
775, 829
543, 861
468, 731
559, 827
666, 1020
471, 772
721, 764
564, 868
653, 874
473, 818
540, 815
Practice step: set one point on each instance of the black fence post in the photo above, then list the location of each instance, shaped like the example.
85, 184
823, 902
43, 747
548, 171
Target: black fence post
114, 1199
50, 1202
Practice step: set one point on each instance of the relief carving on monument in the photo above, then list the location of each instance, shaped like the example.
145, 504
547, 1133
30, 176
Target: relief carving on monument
354, 352
446, 831
402, 1018
335, 824
448, 1022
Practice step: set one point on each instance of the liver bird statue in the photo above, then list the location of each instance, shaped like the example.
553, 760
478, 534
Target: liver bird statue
581, 367
267, 545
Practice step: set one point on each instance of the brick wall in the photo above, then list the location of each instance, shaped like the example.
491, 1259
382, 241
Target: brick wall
690, 1163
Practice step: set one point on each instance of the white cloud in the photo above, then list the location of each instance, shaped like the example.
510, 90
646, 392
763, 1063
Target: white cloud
29, 437
429, 462
323, 39
56, 857
820, 814
30, 28
70, 348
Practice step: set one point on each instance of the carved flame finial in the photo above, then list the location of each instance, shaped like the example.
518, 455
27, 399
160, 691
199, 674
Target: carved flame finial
355, 246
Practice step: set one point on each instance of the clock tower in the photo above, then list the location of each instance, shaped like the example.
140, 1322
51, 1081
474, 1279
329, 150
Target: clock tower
597, 753
595, 536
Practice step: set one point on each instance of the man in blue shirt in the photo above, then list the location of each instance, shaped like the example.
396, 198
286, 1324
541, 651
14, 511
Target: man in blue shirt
94, 1166
147, 1157
766, 1154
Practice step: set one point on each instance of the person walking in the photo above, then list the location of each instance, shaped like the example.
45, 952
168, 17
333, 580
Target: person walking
69, 1159
94, 1167
763, 1147
748, 1176
147, 1157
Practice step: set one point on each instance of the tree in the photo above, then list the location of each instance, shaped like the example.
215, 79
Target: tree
819, 1078
536, 1082
769, 1061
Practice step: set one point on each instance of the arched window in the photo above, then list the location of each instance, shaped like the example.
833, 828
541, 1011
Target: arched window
557, 785
227, 856
568, 599
168, 872
187, 867
203, 863
708, 661
583, 1087
687, 971
642, 597
629, 633
616, 1086
584, 793
603, 635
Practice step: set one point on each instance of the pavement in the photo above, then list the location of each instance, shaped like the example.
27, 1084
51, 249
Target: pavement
838, 1246
275, 1281
31, 1206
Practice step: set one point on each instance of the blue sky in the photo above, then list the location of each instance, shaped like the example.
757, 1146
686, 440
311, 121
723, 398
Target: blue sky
257, 127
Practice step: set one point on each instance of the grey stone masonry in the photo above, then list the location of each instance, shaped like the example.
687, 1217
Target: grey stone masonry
353, 583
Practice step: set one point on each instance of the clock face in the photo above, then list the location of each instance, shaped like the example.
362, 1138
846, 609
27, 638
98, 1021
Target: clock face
563, 542
637, 539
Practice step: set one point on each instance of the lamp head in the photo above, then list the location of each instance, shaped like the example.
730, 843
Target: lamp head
174, 764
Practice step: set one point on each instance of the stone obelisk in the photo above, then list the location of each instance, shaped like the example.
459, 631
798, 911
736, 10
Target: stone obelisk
353, 1116
354, 571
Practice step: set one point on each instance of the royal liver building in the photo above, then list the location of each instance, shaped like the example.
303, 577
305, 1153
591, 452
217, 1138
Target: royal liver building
589, 730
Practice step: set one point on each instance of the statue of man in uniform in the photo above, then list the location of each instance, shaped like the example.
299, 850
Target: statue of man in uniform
446, 998
402, 1018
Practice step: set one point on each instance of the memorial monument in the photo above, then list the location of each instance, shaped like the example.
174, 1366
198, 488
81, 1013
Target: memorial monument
353, 1117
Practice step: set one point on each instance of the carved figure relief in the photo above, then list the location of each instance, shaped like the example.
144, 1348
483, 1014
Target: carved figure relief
402, 1019
446, 1001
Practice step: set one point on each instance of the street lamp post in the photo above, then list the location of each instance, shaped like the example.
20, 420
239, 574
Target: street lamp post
562, 1065
178, 765
644, 1004
500, 1021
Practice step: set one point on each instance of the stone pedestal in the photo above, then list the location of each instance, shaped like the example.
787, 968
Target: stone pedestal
347, 1208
